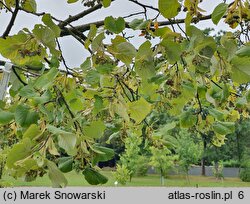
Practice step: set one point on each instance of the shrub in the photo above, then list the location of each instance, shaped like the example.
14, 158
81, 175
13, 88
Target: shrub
245, 174
122, 174
231, 163
218, 170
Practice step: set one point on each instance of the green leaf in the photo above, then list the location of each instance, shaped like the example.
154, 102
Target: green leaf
169, 8
241, 69
47, 20
72, 1
28, 92
47, 37
6, 117
224, 128
13, 48
93, 77
138, 110
97, 42
65, 164
114, 25
106, 68
119, 107
56, 176
46, 80
106, 3
106, 155
122, 50
18, 152
95, 129
173, 50
219, 12
138, 24
32, 132
187, 119
66, 140
217, 114
93, 177
247, 97
144, 62
29, 5
24, 117
243, 51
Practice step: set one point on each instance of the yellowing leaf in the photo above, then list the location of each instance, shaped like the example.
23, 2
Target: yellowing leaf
138, 110
95, 129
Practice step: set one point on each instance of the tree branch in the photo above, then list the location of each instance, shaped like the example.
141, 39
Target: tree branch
12, 20
76, 17
86, 27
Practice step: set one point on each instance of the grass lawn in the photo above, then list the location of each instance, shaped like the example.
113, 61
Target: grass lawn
150, 180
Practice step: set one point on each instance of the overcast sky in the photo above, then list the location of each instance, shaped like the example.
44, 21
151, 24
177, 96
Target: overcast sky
73, 50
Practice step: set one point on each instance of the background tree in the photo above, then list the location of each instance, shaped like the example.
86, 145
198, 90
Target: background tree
188, 150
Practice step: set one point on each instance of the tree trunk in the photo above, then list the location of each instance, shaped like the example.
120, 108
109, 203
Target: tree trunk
203, 167
162, 180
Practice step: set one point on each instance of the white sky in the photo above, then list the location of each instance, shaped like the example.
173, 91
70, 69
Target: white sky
72, 49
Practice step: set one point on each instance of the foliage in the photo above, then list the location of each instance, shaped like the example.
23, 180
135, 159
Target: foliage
245, 174
130, 157
142, 166
218, 170
122, 174
231, 163
2, 164
188, 150
55, 111
161, 160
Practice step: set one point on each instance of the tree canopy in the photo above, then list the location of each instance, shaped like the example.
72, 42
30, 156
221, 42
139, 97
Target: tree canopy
54, 115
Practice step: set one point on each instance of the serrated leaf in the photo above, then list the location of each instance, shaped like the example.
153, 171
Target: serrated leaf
65, 164
29, 5
93, 177
138, 24
114, 25
18, 152
122, 50
97, 42
32, 132
224, 128
241, 69
6, 117
28, 92
169, 8
187, 119
219, 12
138, 110
173, 50
24, 116
243, 51
95, 129
56, 176
44, 81
217, 114
144, 62
47, 20
106, 154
